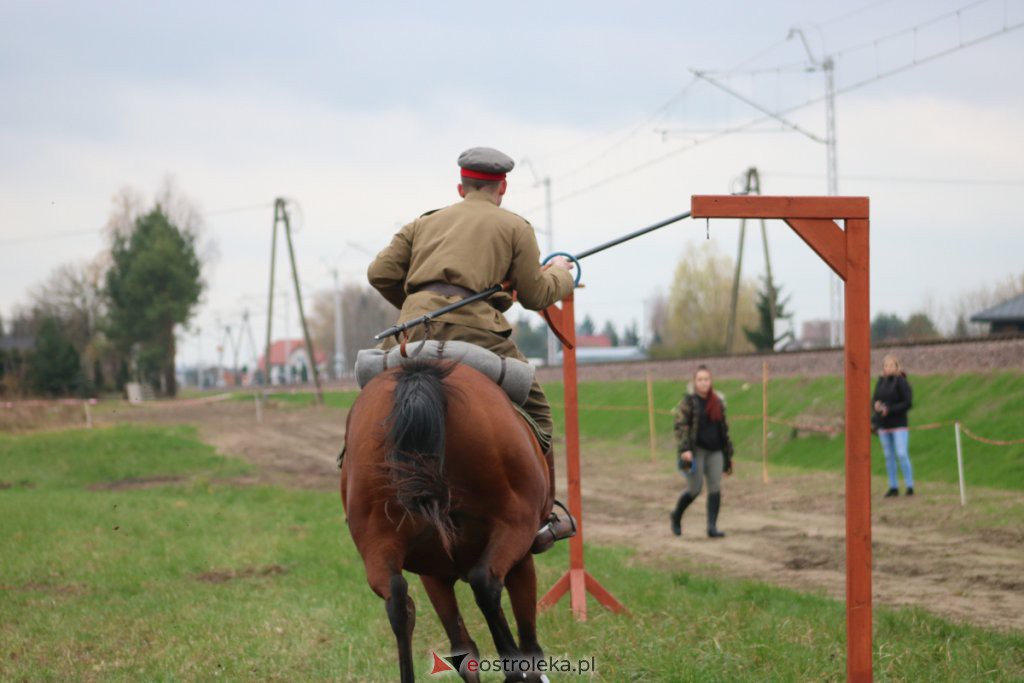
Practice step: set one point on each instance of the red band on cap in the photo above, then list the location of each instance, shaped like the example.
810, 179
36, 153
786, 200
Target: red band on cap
480, 175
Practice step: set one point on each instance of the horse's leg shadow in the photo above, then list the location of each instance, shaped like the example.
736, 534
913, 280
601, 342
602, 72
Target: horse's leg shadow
521, 582
442, 596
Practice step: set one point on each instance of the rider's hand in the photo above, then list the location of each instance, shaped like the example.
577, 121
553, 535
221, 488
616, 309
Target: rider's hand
560, 262
686, 456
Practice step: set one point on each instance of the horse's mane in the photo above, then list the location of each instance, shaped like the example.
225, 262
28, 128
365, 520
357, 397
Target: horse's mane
416, 444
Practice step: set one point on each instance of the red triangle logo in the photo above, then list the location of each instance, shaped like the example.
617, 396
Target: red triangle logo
440, 665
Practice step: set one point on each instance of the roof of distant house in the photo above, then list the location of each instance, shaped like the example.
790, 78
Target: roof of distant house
1011, 310
283, 348
593, 340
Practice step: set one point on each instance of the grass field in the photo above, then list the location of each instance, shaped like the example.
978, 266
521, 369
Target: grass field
990, 405
196, 578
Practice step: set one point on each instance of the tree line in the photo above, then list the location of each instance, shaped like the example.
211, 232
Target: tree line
95, 325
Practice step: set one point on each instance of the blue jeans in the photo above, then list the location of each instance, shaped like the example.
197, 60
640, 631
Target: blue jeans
894, 445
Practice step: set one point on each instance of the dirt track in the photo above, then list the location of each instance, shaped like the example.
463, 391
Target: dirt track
927, 550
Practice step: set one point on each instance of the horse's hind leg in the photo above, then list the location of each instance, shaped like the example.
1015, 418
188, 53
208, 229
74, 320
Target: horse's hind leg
522, 592
442, 596
393, 587
487, 580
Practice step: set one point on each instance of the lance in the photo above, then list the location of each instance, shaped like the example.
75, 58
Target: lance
505, 286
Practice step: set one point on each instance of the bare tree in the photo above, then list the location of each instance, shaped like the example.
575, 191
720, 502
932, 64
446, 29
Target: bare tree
698, 304
364, 313
976, 300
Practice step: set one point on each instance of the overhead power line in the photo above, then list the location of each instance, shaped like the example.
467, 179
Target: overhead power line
881, 75
981, 182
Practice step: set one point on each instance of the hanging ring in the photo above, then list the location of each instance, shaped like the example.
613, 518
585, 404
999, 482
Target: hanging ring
579, 271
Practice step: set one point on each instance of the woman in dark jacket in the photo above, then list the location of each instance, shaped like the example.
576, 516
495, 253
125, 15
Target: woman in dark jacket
892, 399
704, 448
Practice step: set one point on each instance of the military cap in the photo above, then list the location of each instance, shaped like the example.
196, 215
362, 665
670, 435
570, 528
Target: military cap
485, 163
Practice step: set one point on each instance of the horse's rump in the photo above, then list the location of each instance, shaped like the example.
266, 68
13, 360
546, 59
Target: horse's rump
435, 457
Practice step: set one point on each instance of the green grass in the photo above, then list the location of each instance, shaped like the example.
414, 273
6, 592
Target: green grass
333, 399
200, 580
991, 405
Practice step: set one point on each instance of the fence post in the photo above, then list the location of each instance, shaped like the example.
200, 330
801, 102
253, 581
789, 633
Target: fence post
764, 421
88, 414
259, 407
960, 464
650, 416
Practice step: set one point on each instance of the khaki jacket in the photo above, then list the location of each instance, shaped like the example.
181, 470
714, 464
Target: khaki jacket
474, 244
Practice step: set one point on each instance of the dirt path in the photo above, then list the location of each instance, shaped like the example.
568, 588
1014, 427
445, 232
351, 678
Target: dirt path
927, 550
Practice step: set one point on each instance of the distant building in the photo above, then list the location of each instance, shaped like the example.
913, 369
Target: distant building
605, 354
815, 334
1004, 318
289, 362
599, 341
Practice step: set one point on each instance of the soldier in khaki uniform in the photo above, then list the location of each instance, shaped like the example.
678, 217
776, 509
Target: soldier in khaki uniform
451, 253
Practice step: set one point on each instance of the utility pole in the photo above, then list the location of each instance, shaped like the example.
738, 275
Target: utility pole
281, 215
835, 285
752, 186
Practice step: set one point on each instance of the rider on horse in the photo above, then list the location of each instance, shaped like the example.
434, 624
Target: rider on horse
451, 253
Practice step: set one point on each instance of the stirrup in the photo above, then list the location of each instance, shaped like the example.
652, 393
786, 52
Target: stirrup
546, 537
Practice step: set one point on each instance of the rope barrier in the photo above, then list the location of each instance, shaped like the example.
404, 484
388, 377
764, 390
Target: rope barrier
991, 442
800, 426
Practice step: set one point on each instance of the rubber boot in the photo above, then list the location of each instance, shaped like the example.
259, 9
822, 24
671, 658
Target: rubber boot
676, 516
714, 503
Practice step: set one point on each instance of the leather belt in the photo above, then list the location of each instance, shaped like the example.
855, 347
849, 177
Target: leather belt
445, 289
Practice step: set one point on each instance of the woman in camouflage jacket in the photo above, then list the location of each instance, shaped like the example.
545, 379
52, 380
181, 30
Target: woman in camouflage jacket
704, 449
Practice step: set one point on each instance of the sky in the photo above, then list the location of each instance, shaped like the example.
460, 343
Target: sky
357, 112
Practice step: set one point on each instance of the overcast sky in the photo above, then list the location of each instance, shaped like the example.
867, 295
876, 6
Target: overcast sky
358, 111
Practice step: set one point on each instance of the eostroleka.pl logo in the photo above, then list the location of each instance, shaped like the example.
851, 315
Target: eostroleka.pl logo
542, 665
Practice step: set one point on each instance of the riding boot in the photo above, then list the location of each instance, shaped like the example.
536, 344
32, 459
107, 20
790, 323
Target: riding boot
556, 527
676, 516
714, 503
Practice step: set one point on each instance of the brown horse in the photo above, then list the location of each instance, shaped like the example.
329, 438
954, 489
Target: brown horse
442, 478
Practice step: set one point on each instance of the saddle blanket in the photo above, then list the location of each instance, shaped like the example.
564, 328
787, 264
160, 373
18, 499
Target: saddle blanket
514, 376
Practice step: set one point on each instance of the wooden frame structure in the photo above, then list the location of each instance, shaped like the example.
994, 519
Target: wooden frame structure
846, 251
577, 581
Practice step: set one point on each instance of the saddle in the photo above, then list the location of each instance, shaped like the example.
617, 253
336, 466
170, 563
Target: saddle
514, 376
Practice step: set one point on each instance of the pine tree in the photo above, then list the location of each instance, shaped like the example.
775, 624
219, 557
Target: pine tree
763, 336
153, 285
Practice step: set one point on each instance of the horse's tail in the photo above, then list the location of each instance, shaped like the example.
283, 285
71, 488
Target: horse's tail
416, 444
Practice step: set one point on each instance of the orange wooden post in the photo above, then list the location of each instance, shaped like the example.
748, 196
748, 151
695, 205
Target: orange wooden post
847, 253
858, 452
577, 581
